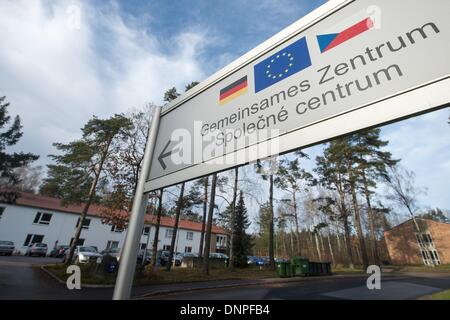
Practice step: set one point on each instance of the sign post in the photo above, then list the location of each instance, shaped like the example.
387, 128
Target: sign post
347, 66
128, 257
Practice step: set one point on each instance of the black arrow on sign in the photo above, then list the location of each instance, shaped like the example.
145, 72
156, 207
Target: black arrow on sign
163, 155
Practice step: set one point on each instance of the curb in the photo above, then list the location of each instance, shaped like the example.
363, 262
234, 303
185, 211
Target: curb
93, 286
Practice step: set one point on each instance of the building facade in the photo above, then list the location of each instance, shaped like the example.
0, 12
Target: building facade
34, 218
429, 246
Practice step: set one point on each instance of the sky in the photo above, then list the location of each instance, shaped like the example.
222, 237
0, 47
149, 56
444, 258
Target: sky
61, 62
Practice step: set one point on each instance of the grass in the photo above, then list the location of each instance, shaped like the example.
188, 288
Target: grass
443, 295
161, 276
346, 270
443, 268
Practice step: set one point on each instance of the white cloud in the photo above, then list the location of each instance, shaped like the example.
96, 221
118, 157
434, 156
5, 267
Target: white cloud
56, 76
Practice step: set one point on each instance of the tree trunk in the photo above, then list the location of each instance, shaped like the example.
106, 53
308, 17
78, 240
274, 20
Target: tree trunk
175, 227
331, 249
205, 211
233, 215
316, 238
291, 242
357, 217
88, 203
158, 223
373, 238
348, 243
271, 225
297, 229
209, 225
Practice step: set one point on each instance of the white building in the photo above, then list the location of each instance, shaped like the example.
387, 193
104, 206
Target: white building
34, 218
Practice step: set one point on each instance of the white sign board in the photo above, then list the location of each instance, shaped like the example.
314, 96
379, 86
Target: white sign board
347, 66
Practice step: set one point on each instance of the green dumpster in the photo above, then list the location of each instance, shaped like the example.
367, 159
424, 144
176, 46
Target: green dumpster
284, 269
300, 266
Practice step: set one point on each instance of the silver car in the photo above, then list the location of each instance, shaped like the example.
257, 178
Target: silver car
84, 254
37, 249
6, 247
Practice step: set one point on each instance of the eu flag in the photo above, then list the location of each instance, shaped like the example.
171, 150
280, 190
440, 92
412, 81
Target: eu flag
281, 65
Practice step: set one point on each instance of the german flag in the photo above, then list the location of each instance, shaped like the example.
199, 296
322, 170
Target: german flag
234, 90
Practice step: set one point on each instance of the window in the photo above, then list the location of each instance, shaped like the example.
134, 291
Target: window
112, 244
86, 223
166, 247
80, 242
143, 246
427, 239
1, 212
146, 230
169, 233
187, 249
424, 239
33, 238
114, 228
220, 241
435, 257
190, 236
42, 218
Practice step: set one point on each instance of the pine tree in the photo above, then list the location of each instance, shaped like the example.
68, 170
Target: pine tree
84, 160
242, 242
292, 178
10, 161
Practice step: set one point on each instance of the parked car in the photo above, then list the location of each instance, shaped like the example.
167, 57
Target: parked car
148, 256
215, 255
6, 247
257, 261
84, 254
37, 249
113, 252
59, 251
179, 257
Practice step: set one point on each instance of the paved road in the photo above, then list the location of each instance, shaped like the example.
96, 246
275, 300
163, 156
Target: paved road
392, 288
20, 280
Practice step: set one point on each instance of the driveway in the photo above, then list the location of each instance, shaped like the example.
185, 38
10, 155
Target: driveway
20, 280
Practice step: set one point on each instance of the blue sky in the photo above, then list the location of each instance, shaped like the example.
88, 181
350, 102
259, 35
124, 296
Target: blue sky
57, 72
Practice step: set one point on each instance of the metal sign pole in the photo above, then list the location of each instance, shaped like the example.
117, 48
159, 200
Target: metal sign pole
124, 282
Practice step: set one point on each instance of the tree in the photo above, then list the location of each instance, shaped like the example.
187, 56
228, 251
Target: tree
263, 223
26, 178
331, 171
242, 242
9, 137
372, 164
200, 188
209, 225
402, 190
436, 215
83, 159
157, 225
233, 218
291, 179
191, 85
179, 205
171, 94
268, 175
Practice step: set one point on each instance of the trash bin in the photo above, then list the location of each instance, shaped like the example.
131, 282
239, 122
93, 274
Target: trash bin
284, 269
300, 266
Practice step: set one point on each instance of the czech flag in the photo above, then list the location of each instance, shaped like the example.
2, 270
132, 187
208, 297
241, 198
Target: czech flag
330, 41
233, 91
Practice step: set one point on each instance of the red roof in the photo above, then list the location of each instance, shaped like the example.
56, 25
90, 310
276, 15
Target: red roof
43, 202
